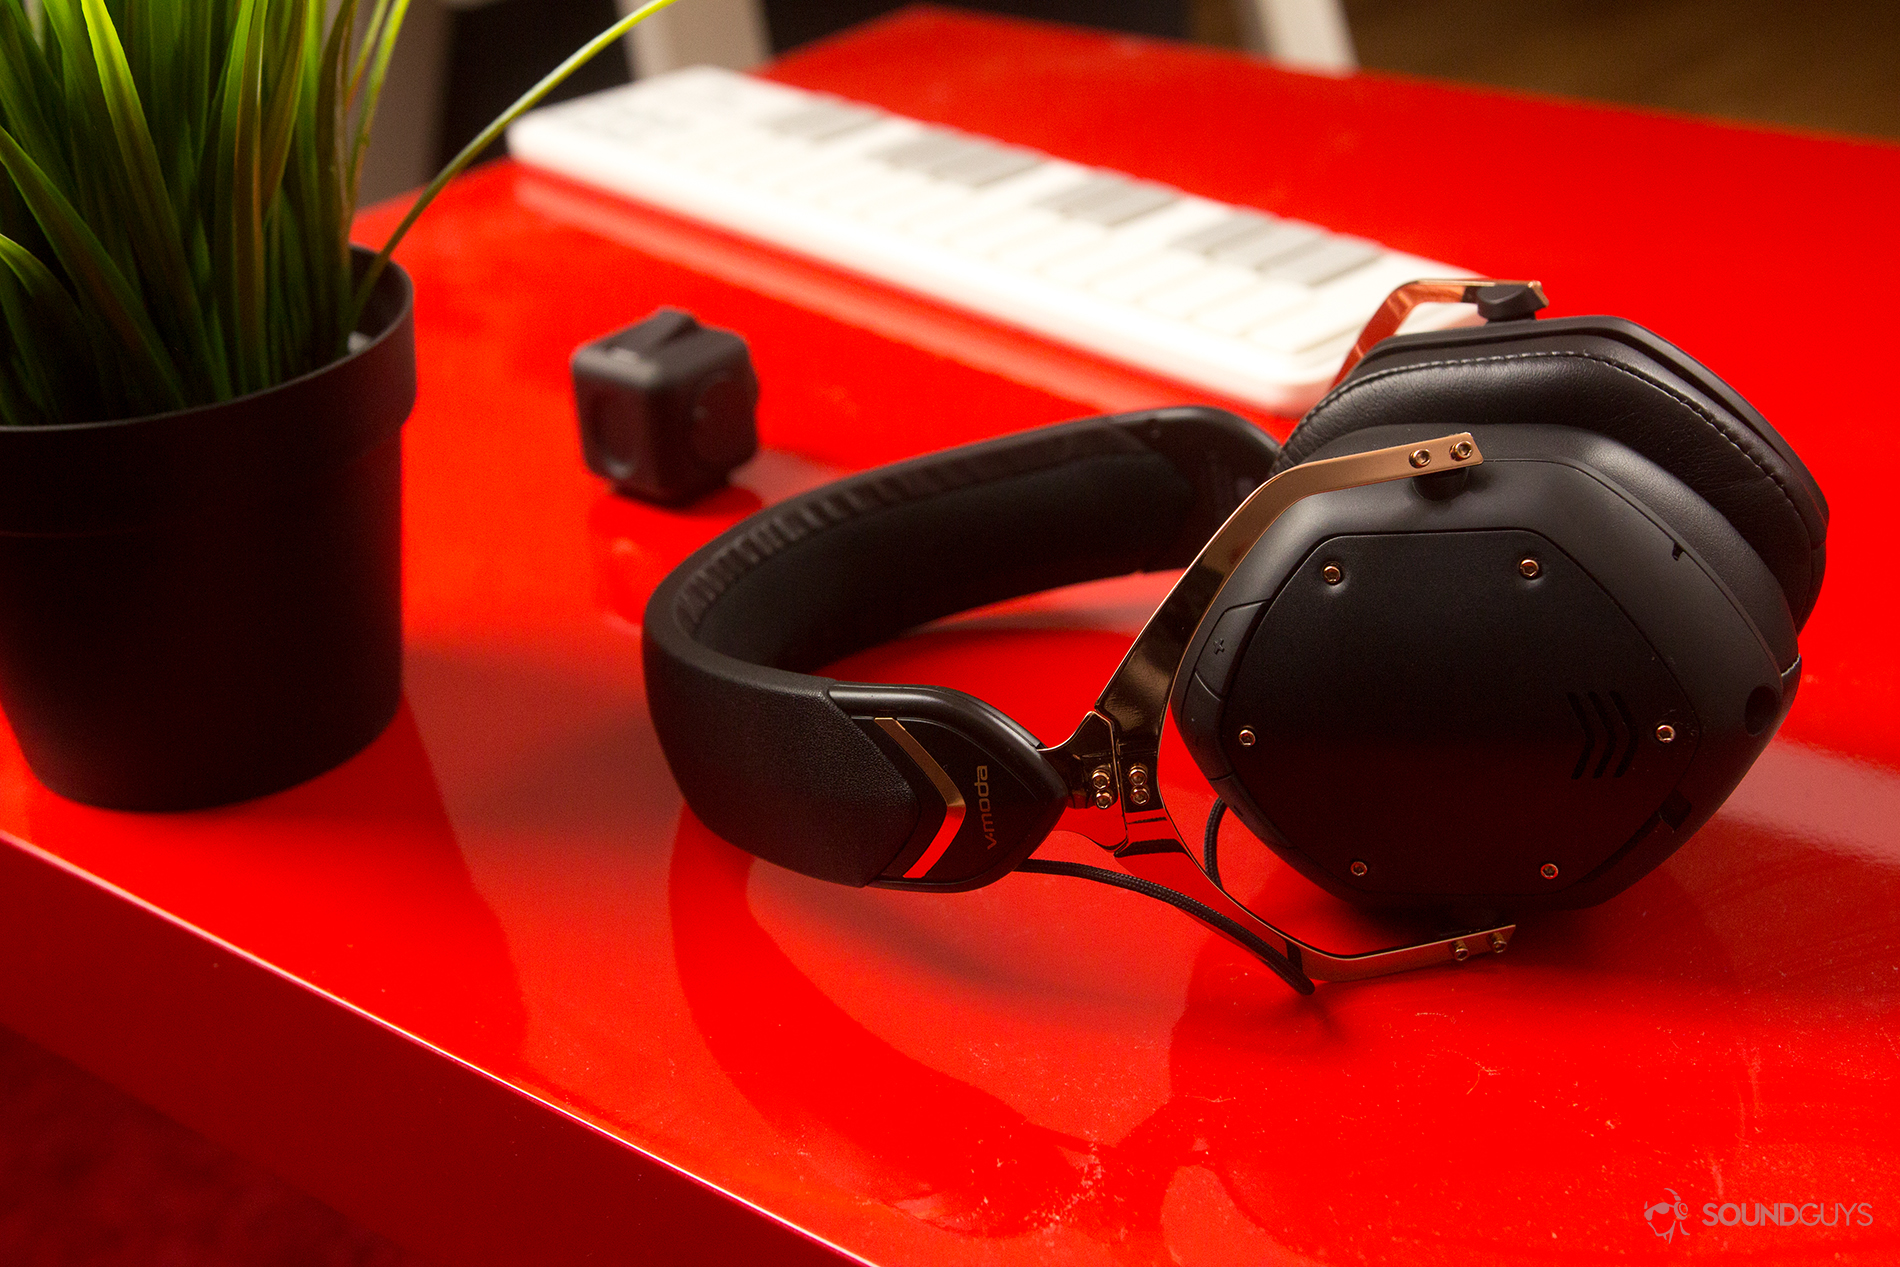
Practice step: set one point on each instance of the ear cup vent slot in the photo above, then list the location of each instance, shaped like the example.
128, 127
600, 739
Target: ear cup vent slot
1589, 736
1618, 733
1629, 733
1609, 726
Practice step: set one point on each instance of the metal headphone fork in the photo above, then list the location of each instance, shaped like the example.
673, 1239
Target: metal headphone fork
1109, 763
1496, 299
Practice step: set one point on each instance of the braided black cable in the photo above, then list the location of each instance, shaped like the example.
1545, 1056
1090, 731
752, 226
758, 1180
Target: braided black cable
1210, 842
1280, 964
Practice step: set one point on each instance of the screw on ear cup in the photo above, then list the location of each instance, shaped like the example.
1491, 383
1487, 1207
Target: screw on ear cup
1609, 377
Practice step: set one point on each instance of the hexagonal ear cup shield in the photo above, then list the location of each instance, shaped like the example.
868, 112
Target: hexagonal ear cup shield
1611, 378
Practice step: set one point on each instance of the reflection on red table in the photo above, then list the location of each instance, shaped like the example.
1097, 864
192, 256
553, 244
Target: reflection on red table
506, 887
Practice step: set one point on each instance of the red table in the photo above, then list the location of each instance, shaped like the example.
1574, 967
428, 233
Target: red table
487, 989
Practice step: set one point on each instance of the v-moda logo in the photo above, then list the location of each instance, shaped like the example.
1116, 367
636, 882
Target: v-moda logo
983, 805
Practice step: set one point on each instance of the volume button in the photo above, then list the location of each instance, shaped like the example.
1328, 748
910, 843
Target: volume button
1224, 644
1199, 724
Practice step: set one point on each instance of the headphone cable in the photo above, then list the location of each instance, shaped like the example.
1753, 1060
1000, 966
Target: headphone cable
1282, 966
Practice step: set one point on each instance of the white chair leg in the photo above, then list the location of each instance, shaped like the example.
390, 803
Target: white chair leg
1302, 34
729, 33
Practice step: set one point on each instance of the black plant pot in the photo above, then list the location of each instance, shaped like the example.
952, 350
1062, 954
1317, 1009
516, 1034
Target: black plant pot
204, 606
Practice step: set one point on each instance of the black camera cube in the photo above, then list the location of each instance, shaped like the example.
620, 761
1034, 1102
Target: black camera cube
666, 406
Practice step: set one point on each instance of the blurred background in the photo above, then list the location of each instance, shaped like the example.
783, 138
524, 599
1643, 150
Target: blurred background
89, 1176
1827, 64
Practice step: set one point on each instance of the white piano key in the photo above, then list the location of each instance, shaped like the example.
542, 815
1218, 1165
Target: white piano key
820, 179
783, 160
924, 151
1130, 243
1001, 229
886, 132
1110, 200
1304, 331
1268, 243
821, 120
911, 203
850, 198
708, 149
1029, 252
1016, 191
986, 166
1263, 302
1150, 273
1209, 238
1323, 261
1201, 289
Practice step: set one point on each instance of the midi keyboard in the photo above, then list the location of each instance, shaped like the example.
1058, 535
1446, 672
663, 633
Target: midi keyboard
1250, 305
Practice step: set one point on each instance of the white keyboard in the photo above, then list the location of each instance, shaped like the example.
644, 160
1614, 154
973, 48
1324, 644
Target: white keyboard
1229, 298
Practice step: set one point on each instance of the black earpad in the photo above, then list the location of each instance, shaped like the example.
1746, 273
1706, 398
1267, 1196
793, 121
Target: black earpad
1611, 378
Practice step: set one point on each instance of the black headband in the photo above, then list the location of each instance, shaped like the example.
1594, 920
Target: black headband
732, 635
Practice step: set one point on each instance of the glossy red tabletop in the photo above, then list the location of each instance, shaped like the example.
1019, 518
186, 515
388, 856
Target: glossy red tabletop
488, 988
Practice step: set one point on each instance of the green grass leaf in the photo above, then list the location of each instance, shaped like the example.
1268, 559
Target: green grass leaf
97, 189
372, 40
56, 350
280, 115
29, 94
330, 197
154, 221
242, 259
50, 301
99, 279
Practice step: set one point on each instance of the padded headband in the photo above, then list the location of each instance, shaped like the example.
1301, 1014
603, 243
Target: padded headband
732, 635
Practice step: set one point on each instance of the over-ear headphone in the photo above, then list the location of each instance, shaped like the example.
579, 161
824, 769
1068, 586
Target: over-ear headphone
1499, 627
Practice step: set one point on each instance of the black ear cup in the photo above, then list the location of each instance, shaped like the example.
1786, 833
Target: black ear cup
1524, 684
1610, 378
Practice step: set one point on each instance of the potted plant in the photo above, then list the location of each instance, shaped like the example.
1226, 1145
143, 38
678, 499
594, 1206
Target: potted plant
202, 392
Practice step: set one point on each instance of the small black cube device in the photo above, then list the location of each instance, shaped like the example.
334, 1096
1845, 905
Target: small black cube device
666, 406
